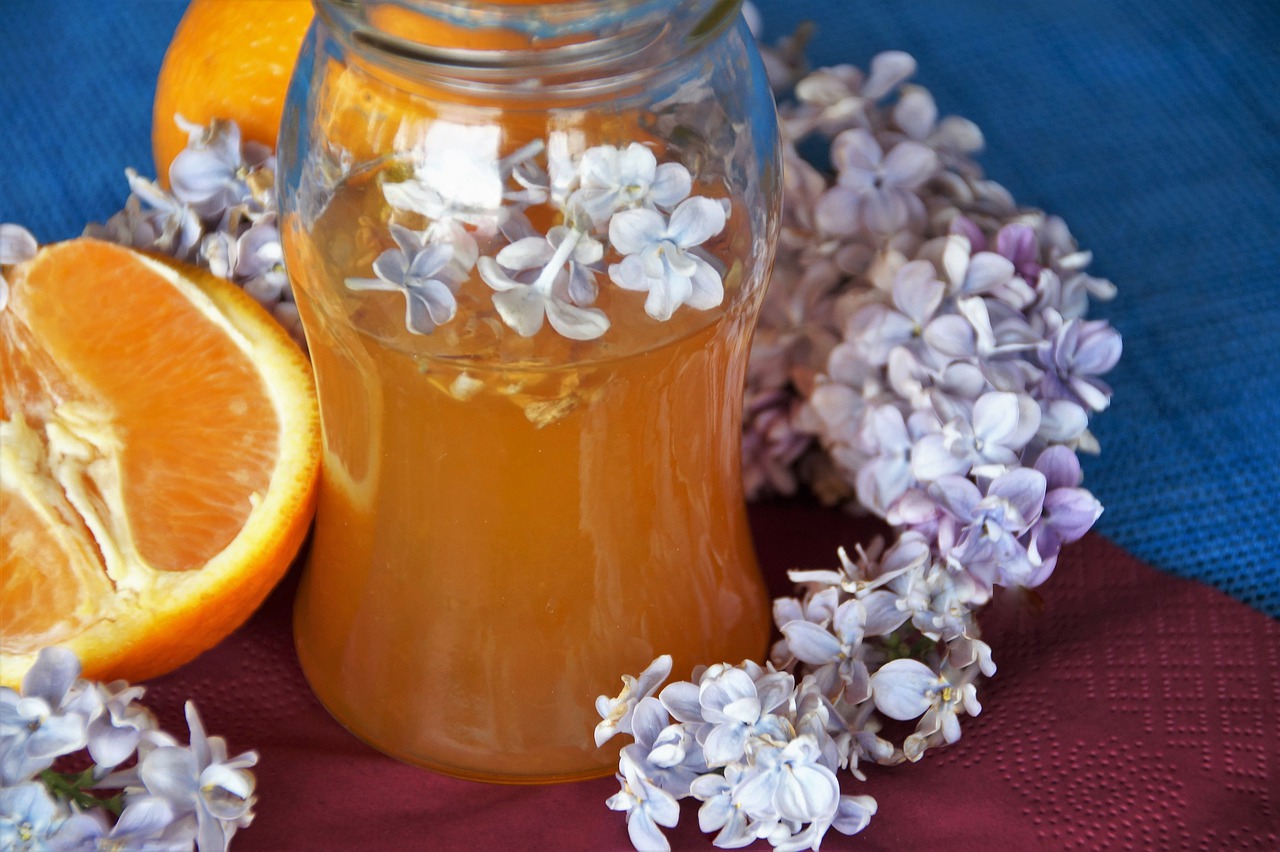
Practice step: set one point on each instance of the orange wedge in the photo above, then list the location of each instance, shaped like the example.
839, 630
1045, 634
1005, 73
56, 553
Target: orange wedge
159, 447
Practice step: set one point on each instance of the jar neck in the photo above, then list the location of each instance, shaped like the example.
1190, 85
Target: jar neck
523, 45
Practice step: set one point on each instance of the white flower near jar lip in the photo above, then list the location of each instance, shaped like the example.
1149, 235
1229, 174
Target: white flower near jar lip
657, 256
615, 179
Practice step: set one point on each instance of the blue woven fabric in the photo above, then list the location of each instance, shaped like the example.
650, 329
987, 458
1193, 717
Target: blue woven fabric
1152, 128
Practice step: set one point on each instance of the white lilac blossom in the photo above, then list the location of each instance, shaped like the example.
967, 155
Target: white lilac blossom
607, 201
169, 798
623, 178
30, 819
200, 781
549, 292
758, 752
658, 256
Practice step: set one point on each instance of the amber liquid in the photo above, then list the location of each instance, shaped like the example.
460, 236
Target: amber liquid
506, 526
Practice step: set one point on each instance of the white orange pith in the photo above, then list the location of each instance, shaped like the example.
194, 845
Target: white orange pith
158, 451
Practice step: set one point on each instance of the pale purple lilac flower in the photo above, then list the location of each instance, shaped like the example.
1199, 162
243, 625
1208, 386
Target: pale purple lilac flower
147, 824
616, 713
31, 820
647, 806
770, 443
668, 755
834, 652
760, 754
905, 689
932, 336
166, 225
1069, 511
49, 718
875, 189
418, 270
17, 244
831, 100
217, 177
955, 139
1079, 351
115, 733
985, 441
981, 530
219, 214
173, 797
203, 782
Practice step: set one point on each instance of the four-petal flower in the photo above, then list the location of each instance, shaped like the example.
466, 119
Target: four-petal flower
658, 257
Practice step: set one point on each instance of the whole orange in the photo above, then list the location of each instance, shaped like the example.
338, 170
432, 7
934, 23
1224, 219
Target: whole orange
228, 59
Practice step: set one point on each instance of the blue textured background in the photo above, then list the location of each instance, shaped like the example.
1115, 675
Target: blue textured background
1153, 128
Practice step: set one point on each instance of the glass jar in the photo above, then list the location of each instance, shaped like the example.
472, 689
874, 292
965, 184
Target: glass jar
528, 244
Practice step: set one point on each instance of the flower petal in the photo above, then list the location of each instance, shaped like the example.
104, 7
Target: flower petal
810, 643
909, 164
170, 773
931, 460
52, 674
672, 184
987, 270
887, 71
707, 287
725, 744
574, 322
16, 244
695, 221
521, 308
951, 336
682, 700
631, 231
527, 253
916, 112
857, 152
899, 688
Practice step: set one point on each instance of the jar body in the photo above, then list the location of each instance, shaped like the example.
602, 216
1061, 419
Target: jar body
531, 479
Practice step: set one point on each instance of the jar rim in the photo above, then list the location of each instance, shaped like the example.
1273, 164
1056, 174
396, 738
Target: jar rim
566, 37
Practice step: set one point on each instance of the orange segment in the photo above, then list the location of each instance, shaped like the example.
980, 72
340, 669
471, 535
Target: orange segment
160, 443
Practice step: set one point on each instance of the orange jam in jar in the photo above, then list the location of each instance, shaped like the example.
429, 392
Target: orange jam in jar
528, 263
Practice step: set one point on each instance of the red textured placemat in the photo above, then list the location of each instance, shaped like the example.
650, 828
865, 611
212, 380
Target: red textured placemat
1137, 711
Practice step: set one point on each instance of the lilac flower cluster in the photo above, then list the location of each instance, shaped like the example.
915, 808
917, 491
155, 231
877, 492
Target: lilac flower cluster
611, 202
758, 751
918, 325
219, 213
163, 796
923, 355
924, 348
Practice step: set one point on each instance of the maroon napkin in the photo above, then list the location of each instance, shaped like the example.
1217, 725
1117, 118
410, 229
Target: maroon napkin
1135, 711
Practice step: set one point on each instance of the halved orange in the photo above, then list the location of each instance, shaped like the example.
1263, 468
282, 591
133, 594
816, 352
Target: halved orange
159, 447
